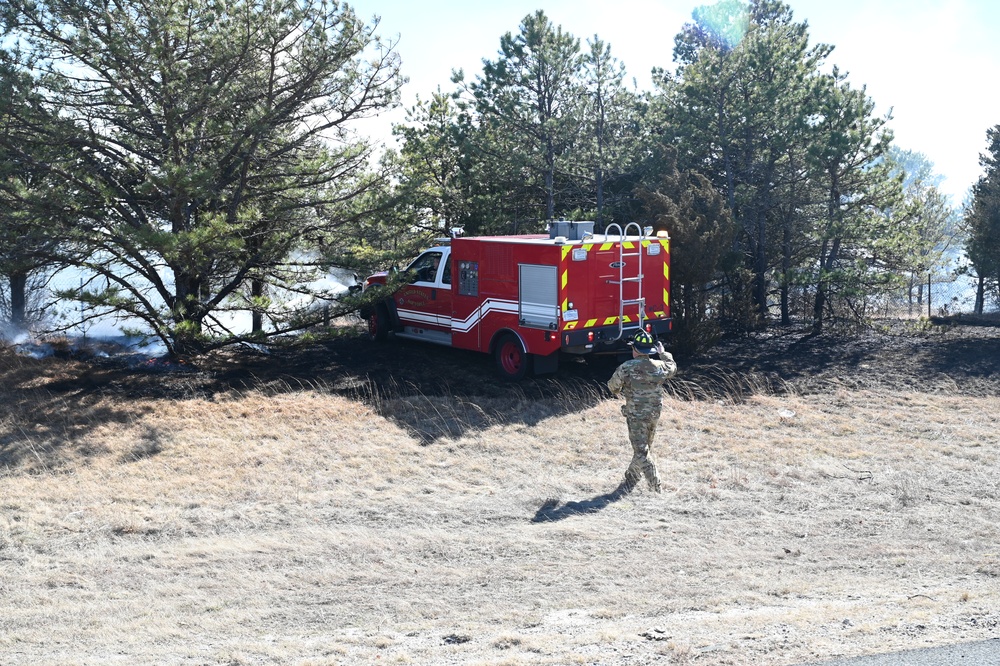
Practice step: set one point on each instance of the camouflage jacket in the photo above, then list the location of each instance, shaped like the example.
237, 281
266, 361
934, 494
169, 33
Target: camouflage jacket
641, 381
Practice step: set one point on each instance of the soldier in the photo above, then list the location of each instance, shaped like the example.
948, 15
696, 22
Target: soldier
641, 380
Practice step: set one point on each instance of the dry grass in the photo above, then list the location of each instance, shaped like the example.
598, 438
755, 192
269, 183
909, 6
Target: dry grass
306, 527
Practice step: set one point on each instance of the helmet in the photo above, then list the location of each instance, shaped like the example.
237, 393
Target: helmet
643, 343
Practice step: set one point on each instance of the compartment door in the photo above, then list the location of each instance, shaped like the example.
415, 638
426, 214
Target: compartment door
538, 297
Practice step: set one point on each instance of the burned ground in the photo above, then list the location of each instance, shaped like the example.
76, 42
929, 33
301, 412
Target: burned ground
960, 360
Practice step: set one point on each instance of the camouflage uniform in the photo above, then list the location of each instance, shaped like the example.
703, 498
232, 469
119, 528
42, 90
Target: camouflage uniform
641, 380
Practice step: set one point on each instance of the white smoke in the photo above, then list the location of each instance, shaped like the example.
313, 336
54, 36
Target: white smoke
11, 335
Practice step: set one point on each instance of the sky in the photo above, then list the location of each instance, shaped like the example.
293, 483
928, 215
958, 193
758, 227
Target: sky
934, 64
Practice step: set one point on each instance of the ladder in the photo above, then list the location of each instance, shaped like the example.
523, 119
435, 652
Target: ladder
639, 302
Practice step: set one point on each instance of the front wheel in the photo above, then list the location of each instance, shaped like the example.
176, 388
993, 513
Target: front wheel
378, 324
512, 360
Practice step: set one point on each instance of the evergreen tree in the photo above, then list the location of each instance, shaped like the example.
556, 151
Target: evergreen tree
526, 104
982, 223
213, 138
434, 167
860, 240
614, 131
33, 203
739, 111
701, 230
927, 210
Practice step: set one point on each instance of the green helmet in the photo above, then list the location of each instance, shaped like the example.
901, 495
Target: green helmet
643, 342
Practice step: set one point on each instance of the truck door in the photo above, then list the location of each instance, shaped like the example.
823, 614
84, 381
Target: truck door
425, 303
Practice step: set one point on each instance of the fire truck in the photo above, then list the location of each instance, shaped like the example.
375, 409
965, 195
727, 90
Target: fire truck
528, 299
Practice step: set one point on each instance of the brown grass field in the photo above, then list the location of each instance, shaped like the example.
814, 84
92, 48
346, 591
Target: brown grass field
350, 504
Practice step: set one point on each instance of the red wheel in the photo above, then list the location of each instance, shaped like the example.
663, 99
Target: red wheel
512, 360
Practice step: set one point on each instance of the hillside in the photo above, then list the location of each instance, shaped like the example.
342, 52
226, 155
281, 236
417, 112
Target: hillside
352, 504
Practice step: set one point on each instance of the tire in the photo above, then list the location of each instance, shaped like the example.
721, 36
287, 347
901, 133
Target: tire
378, 324
512, 360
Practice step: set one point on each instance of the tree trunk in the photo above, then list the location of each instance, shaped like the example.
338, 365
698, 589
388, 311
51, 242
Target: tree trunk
256, 293
980, 295
760, 268
818, 305
827, 260
786, 266
18, 298
550, 174
826, 263
600, 199
188, 314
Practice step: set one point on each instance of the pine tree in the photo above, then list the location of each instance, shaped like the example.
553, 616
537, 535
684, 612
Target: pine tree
982, 223
212, 138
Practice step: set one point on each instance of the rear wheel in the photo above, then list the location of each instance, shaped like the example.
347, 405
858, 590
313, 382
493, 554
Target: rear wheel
512, 360
378, 324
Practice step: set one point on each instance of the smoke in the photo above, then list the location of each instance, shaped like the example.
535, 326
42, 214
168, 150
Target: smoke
36, 351
23, 343
11, 335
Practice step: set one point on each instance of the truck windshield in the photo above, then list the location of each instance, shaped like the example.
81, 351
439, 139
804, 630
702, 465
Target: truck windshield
425, 267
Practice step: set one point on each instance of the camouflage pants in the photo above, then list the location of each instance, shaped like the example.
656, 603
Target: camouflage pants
641, 428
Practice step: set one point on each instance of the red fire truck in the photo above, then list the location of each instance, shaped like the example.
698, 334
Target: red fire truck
528, 299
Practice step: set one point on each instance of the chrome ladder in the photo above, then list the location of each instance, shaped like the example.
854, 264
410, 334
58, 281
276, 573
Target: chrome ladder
640, 301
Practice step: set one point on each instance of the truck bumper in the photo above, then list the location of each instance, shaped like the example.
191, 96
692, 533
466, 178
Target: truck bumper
605, 339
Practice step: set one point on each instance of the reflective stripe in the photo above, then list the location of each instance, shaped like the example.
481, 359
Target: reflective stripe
461, 325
